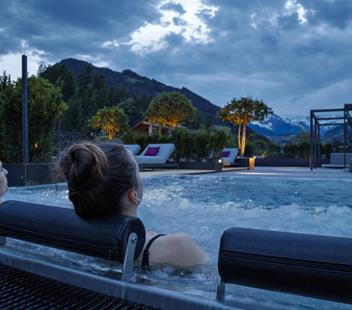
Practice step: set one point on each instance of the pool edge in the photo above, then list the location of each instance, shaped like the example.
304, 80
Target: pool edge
139, 293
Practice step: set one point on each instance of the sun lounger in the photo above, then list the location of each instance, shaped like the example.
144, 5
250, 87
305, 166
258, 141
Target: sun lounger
309, 265
133, 148
156, 156
228, 155
337, 160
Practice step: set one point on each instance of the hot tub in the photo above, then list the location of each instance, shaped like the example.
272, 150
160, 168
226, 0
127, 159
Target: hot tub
204, 206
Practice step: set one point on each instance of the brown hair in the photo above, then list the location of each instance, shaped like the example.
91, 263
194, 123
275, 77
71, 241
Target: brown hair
98, 176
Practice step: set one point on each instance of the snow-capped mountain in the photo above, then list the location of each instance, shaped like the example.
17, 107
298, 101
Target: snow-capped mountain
303, 122
278, 129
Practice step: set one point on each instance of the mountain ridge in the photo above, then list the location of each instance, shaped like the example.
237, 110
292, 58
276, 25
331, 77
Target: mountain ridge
274, 127
137, 85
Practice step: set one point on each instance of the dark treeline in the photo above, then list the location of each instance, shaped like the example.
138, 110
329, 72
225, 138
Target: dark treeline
88, 93
45, 107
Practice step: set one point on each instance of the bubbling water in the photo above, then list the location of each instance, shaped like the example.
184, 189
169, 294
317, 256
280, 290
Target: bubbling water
204, 206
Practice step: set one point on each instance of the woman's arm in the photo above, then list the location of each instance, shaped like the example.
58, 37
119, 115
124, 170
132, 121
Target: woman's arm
178, 250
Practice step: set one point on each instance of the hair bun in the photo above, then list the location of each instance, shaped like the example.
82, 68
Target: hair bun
86, 165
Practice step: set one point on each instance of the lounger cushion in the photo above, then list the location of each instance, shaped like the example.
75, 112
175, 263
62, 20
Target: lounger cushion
152, 151
62, 228
225, 154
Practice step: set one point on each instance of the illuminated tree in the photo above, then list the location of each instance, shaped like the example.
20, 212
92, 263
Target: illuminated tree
169, 109
241, 112
111, 120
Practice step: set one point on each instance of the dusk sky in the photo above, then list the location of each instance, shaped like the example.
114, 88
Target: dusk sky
294, 54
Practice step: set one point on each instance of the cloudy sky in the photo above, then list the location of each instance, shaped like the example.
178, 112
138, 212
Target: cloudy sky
293, 54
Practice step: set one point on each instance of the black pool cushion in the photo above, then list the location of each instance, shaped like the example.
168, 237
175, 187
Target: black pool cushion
62, 228
311, 265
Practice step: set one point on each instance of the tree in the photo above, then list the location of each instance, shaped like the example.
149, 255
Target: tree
116, 95
241, 112
196, 121
111, 120
128, 106
169, 109
100, 92
45, 106
75, 118
59, 75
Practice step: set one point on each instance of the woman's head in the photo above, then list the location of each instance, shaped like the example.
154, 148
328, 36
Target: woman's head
3, 180
102, 180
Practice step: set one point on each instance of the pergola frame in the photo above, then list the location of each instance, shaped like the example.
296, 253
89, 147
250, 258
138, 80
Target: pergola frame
316, 122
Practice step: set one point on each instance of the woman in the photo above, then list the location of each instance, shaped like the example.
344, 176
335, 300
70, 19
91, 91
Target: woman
104, 180
3, 181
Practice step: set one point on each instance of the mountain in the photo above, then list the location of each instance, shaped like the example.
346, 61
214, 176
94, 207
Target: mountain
335, 134
302, 122
137, 85
274, 127
277, 129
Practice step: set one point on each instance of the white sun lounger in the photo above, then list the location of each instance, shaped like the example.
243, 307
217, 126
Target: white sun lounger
228, 161
133, 148
160, 158
337, 160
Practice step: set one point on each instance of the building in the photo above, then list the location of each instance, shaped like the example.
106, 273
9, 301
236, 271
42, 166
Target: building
145, 127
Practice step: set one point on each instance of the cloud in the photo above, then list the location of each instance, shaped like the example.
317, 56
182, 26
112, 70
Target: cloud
11, 62
329, 95
64, 28
295, 7
184, 18
286, 52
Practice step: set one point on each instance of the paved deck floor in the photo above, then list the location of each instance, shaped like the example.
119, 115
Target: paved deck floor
287, 172
298, 172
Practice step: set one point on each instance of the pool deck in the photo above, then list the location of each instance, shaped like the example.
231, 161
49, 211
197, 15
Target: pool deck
284, 172
298, 172
156, 172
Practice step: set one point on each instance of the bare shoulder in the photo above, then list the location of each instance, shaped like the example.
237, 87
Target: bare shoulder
178, 249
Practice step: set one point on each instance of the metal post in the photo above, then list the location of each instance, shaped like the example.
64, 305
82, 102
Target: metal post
25, 135
344, 138
311, 141
315, 144
319, 151
128, 263
220, 291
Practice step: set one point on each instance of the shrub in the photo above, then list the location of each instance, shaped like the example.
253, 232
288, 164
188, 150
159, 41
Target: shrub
190, 144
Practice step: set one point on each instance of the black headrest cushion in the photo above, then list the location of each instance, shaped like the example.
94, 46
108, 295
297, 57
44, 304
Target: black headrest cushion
312, 265
62, 228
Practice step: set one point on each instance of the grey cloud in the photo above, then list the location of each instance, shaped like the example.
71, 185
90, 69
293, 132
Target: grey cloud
335, 13
61, 27
174, 7
291, 66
